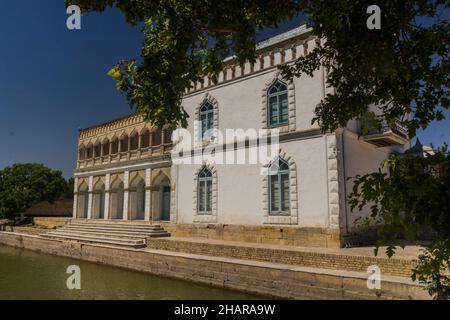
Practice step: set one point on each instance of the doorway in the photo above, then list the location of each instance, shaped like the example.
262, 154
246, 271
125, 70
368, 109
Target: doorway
165, 204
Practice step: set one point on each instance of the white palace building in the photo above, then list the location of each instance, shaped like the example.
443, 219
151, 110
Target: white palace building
126, 169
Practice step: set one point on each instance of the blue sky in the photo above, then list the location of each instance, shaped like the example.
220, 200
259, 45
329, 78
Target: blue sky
53, 81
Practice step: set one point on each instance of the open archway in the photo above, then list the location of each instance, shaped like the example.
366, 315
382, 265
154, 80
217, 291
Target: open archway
98, 200
116, 199
82, 200
136, 205
161, 197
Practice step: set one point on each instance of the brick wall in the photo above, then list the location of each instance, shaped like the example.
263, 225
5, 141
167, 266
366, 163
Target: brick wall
60, 208
308, 237
268, 279
393, 266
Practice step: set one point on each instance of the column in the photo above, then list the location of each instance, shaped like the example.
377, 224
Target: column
126, 194
148, 194
106, 206
90, 186
75, 198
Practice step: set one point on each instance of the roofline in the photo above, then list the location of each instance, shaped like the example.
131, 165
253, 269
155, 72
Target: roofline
263, 44
107, 122
279, 38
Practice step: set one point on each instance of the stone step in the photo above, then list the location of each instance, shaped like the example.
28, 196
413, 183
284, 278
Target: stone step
106, 228
114, 226
282, 254
125, 234
118, 234
95, 236
94, 239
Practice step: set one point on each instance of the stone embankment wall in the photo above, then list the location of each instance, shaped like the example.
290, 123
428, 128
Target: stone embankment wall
294, 256
268, 279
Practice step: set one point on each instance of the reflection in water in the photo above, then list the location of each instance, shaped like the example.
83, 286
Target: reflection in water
30, 275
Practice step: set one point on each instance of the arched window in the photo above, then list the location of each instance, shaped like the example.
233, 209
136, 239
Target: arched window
278, 107
206, 119
156, 137
89, 150
204, 191
115, 146
279, 193
97, 150
145, 139
134, 141
167, 136
82, 153
124, 144
105, 147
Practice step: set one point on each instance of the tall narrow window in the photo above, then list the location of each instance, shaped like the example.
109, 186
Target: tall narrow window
89, 151
97, 150
115, 146
279, 187
206, 119
134, 141
278, 108
156, 137
105, 147
82, 153
204, 192
124, 144
145, 139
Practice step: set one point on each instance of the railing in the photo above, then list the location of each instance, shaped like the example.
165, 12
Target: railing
126, 155
396, 127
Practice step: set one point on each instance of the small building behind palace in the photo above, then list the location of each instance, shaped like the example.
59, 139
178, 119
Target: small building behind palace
126, 172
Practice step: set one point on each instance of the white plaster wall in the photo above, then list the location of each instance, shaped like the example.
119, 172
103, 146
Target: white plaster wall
360, 158
239, 195
240, 187
240, 101
308, 94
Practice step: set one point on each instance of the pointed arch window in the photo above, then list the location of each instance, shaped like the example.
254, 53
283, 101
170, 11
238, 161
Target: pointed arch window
206, 119
124, 144
134, 141
105, 147
145, 139
97, 150
89, 151
204, 191
277, 104
156, 137
115, 146
279, 192
82, 153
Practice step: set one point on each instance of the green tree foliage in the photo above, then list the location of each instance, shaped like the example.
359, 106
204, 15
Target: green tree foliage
22, 185
407, 196
403, 67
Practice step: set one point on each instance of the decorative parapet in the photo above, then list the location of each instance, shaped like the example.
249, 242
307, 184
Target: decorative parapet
278, 50
111, 126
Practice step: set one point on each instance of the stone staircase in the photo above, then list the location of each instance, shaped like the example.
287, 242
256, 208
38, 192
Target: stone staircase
114, 233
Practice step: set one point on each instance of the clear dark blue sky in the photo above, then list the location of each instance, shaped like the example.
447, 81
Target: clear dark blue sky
53, 81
